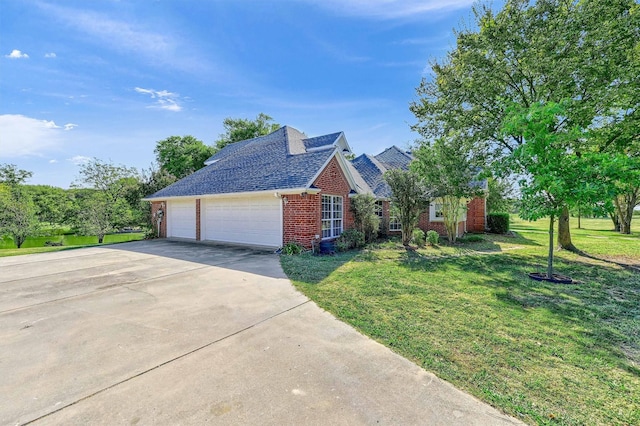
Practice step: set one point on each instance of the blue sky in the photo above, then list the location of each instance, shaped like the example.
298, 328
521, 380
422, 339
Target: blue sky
107, 79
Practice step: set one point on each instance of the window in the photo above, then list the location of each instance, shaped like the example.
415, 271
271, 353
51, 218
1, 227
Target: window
378, 209
394, 223
437, 210
331, 216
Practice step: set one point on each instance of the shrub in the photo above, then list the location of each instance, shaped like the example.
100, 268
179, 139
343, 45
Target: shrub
351, 238
471, 238
292, 248
498, 223
432, 237
418, 238
363, 207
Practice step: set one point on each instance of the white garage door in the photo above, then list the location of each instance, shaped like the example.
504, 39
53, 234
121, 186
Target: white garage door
251, 220
181, 219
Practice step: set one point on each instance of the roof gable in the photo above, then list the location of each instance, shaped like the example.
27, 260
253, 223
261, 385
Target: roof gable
395, 158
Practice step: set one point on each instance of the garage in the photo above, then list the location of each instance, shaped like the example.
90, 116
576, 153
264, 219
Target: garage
181, 219
243, 220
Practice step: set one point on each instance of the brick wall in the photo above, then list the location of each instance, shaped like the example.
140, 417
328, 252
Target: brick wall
155, 206
301, 217
302, 214
476, 215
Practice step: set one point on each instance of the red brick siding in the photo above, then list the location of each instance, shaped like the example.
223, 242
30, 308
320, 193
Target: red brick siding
476, 217
155, 206
197, 219
302, 215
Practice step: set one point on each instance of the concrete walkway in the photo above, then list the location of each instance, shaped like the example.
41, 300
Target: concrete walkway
173, 333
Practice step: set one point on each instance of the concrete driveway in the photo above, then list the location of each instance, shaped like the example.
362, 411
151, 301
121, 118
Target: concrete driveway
165, 332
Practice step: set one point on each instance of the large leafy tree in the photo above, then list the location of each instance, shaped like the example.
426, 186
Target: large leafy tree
106, 207
240, 129
17, 211
447, 166
409, 198
529, 52
182, 155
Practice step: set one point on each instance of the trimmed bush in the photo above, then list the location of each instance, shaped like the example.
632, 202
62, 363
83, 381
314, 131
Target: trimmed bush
432, 237
498, 223
349, 239
418, 238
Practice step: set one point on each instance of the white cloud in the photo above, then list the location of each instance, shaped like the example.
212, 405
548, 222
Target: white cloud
389, 9
79, 159
53, 161
50, 55
20, 135
16, 54
164, 99
70, 126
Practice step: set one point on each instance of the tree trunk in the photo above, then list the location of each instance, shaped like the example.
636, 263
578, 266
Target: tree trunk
579, 217
550, 256
564, 233
625, 204
615, 220
100, 238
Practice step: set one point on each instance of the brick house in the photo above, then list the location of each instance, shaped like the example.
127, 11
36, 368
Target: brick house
278, 188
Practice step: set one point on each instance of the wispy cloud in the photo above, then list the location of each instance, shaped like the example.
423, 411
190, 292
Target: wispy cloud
130, 36
79, 160
16, 54
50, 55
163, 99
53, 161
389, 9
21, 135
70, 126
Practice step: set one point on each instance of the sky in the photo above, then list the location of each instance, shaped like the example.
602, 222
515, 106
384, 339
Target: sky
108, 79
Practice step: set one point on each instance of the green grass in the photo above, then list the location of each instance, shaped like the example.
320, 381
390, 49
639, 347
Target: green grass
37, 244
544, 353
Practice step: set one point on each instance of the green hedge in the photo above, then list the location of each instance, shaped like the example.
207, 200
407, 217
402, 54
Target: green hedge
498, 223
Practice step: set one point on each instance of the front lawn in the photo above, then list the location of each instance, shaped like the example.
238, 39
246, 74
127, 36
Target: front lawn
37, 244
544, 353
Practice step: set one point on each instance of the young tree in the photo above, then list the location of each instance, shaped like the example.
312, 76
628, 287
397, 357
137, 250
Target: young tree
553, 173
499, 195
106, 208
530, 52
363, 207
448, 167
409, 198
240, 129
182, 155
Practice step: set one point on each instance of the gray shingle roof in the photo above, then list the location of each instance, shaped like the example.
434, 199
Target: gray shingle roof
372, 171
259, 164
395, 158
319, 141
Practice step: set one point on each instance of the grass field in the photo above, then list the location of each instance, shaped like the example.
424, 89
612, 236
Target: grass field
544, 353
37, 244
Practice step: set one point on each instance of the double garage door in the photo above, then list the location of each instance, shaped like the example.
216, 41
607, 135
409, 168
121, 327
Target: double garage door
246, 220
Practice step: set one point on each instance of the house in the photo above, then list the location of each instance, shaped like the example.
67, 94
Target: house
282, 187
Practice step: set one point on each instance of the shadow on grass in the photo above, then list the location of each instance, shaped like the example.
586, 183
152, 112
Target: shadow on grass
311, 269
604, 301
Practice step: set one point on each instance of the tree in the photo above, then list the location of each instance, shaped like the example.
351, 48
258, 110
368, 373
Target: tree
12, 176
448, 168
106, 208
17, 211
240, 129
409, 198
499, 195
365, 219
182, 155
530, 52
553, 175
51, 203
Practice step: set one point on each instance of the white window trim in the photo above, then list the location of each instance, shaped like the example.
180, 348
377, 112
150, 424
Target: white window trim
335, 200
394, 223
432, 213
379, 209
